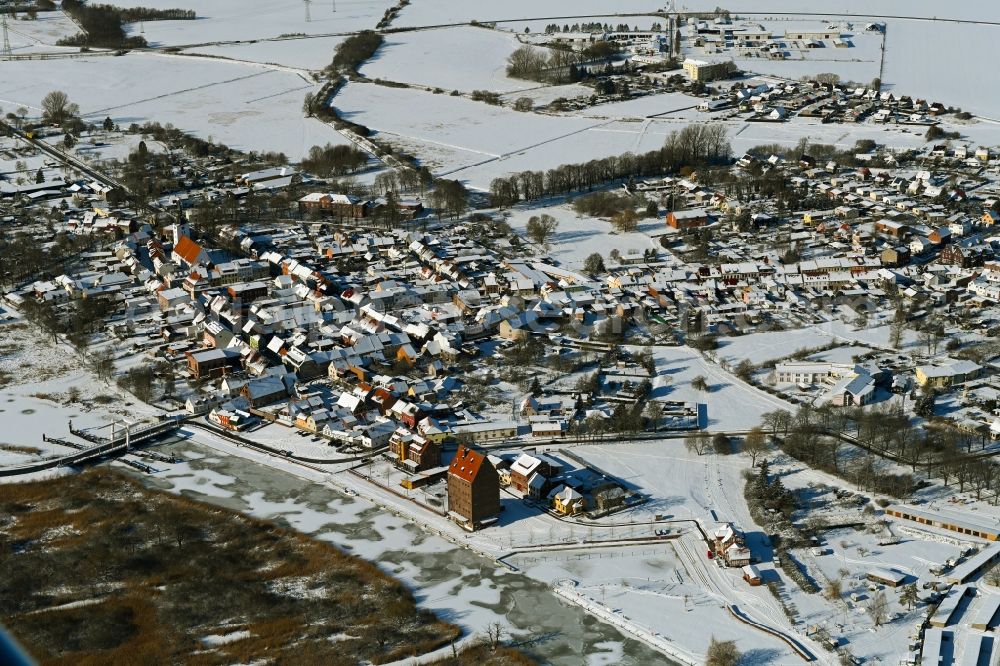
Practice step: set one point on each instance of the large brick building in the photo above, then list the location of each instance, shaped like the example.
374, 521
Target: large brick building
473, 489
212, 362
687, 219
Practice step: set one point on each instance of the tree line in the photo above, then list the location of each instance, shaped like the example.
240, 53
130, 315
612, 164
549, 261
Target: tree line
556, 65
334, 160
353, 51
693, 146
596, 26
103, 26
939, 450
134, 14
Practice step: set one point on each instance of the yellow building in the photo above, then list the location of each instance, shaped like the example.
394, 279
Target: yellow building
568, 502
947, 373
432, 432
699, 70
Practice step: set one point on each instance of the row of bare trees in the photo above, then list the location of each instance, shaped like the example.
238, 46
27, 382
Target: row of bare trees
693, 146
819, 435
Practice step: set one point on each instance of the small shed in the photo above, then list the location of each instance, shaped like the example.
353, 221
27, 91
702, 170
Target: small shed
751, 575
886, 577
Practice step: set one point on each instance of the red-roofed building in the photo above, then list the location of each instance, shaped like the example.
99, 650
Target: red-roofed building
473, 489
188, 252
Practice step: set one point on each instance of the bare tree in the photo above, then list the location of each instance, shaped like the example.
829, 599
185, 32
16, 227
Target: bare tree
527, 62
57, 109
896, 333
833, 589
879, 608
908, 596
697, 443
755, 445
722, 653
494, 634
523, 104
541, 228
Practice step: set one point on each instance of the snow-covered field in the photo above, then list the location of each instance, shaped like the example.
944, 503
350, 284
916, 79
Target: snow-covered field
464, 58
860, 71
453, 133
952, 76
760, 348
843, 354
427, 12
732, 405
41, 34
577, 237
233, 20
313, 53
228, 102
674, 105
37, 399
434, 12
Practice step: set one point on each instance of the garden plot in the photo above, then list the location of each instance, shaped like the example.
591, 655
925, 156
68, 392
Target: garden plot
463, 58
245, 107
848, 556
709, 488
746, 135
233, 20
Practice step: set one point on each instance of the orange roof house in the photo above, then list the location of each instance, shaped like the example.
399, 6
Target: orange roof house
190, 253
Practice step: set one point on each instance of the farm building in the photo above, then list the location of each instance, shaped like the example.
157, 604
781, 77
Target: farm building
886, 577
951, 523
751, 575
975, 565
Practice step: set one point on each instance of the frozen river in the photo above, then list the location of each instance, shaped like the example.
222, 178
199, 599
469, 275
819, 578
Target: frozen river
456, 583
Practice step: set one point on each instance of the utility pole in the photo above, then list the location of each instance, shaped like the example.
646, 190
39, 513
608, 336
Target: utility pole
6, 52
